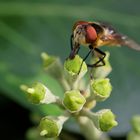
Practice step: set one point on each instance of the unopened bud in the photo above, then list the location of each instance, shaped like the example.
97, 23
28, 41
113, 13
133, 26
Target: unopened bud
135, 122
73, 101
38, 93
52, 65
133, 136
51, 126
104, 120
103, 71
101, 89
75, 66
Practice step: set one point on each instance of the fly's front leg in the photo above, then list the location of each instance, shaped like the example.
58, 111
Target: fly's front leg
75, 47
71, 42
91, 49
74, 51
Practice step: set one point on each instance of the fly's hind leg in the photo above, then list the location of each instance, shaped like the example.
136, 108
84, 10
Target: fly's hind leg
101, 59
97, 64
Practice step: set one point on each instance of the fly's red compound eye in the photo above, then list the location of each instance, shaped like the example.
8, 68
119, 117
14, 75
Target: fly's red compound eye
91, 34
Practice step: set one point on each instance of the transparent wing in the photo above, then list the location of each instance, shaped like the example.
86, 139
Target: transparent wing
119, 39
130, 43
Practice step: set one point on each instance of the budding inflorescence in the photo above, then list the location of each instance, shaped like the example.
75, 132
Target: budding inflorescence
79, 96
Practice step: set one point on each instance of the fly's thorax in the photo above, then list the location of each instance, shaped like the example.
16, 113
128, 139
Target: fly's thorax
98, 43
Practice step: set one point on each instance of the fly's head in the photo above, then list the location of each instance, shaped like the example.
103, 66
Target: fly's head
83, 33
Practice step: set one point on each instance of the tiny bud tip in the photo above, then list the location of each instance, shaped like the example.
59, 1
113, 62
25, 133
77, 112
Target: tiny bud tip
43, 132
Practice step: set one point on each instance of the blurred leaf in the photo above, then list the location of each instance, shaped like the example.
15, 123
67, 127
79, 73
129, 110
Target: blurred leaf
17, 68
28, 28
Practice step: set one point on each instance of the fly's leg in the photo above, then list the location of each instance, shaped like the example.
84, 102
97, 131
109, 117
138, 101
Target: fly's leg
71, 42
91, 49
101, 59
75, 47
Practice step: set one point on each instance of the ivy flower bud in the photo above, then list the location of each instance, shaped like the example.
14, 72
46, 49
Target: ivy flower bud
74, 67
51, 126
133, 136
73, 101
104, 71
135, 122
104, 120
101, 89
38, 93
52, 65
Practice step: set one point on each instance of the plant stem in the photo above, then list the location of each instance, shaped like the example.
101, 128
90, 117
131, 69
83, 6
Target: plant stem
88, 129
65, 84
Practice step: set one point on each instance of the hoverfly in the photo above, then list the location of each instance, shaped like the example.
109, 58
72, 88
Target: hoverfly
95, 35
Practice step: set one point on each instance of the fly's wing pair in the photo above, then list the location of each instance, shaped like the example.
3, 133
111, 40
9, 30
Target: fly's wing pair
111, 37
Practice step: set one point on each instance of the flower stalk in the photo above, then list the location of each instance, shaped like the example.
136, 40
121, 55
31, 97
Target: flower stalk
89, 130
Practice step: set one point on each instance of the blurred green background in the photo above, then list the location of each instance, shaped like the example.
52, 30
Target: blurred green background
29, 27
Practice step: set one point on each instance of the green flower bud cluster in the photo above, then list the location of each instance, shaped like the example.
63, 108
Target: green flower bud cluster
79, 97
